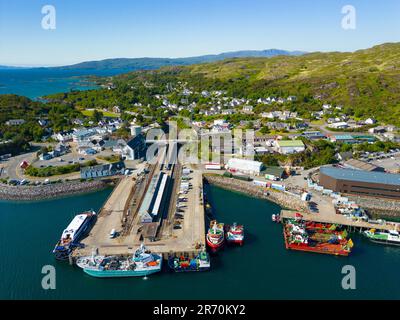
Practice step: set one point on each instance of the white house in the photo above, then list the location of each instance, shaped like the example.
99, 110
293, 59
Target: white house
370, 121
64, 136
220, 122
15, 122
248, 109
339, 125
290, 146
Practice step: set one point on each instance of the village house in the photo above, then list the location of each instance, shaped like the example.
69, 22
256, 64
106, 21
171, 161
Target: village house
342, 138
116, 109
370, 121
289, 146
43, 122
339, 125
227, 112
82, 135
377, 130
115, 145
15, 122
64, 136
135, 148
205, 94
313, 135
101, 171
279, 126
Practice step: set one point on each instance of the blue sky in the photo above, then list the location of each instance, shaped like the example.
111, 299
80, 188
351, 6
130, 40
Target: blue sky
99, 29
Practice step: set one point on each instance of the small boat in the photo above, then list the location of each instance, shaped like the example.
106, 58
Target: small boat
235, 234
391, 237
181, 264
215, 236
76, 230
276, 218
142, 263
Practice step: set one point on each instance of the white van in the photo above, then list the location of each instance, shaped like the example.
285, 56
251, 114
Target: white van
113, 234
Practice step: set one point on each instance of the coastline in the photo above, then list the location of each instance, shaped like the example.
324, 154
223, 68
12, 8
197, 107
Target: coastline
286, 201
51, 191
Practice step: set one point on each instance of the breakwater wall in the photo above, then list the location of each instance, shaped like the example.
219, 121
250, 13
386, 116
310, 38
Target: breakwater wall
50, 191
283, 199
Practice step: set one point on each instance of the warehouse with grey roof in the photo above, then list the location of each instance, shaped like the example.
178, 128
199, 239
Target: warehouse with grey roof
362, 183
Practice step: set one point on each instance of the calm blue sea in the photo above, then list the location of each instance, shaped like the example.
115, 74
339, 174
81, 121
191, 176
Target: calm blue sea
34, 83
261, 269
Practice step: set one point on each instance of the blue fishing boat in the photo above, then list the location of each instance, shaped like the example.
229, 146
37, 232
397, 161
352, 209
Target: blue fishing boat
143, 263
181, 264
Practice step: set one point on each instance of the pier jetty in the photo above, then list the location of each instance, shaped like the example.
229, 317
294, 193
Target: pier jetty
339, 219
154, 195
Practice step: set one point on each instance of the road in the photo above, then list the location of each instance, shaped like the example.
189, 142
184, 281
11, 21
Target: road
325, 129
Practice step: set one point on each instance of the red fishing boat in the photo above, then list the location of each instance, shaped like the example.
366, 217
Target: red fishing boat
215, 236
299, 238
235, 234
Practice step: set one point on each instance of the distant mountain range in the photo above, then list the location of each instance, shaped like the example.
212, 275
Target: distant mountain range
8, 67
131, 64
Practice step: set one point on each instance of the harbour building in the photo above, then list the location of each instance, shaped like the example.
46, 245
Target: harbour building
290, 146
103, 170
362, 183
156, 200
244, 166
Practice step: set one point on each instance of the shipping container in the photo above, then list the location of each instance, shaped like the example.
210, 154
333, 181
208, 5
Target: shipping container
227, 174
271, 177
243, 178
260, 183
278, 187
213, 166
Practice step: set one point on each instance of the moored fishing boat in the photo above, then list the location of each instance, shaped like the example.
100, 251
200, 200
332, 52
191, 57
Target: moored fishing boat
143, 263
235, 234
215, 236
297, 237
182, 264
75, 231
391, 237
276, 218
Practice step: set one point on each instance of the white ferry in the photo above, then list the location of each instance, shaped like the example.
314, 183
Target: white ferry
78, 227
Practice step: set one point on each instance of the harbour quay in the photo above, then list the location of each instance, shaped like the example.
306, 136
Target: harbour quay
339, 219
161, 207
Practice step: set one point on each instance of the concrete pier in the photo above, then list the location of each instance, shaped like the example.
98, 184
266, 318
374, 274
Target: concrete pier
120, 212
340, 219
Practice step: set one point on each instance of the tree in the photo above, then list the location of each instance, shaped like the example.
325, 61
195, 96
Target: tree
97, 116
264, 130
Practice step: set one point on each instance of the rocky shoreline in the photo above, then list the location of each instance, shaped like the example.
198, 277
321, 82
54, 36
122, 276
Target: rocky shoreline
283, 199
50, 191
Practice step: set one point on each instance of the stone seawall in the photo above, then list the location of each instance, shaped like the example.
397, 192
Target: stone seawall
42, 192
283, 199
378, 207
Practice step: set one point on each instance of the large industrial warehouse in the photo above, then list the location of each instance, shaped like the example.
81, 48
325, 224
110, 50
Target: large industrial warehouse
363, 183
